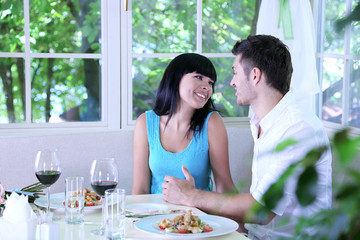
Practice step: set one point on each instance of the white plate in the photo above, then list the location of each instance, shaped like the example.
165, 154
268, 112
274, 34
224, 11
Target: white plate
221, 226
56, 202
146, 208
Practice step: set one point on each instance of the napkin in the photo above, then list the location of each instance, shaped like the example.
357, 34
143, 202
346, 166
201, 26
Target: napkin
19, 220
18, 209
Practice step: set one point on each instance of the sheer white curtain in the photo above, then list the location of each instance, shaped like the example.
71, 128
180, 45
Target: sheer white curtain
302, 43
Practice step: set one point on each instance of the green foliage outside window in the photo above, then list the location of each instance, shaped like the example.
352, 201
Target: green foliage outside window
335, 42
58, 86
163, 26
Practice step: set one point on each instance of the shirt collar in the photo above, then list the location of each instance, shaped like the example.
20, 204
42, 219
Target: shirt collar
271, 118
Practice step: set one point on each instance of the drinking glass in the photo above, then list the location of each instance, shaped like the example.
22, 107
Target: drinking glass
47, 171
103, 175
115, 202
74, 200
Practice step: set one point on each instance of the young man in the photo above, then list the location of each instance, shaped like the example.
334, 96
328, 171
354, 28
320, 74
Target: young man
262, 74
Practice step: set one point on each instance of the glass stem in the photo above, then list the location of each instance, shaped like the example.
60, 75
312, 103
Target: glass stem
48, 200
103, 214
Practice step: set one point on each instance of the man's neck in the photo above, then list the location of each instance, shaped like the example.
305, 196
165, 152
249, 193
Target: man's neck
265, 103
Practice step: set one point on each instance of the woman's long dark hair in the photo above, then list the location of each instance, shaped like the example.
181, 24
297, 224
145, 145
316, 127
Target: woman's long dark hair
168, 95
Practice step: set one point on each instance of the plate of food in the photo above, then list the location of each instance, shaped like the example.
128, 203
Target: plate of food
92, 200
187, 226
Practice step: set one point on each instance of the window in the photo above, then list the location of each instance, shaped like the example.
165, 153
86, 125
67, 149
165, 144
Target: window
339, 64
52, 60
158, 30
59, 60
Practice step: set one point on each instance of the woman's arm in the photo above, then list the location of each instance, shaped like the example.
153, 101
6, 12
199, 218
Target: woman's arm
141, 170
219, 153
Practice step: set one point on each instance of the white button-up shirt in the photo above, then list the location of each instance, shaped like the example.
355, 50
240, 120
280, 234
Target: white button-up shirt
287, 120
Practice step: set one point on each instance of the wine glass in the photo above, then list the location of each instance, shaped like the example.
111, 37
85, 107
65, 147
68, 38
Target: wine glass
47, 171
104, 175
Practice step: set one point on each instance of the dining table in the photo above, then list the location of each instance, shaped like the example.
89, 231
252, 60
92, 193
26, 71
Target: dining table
93, 219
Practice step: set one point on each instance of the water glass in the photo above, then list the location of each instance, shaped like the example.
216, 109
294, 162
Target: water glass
115, 213
74, 232
74, 200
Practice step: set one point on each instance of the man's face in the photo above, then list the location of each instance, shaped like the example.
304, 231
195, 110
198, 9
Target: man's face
240, 81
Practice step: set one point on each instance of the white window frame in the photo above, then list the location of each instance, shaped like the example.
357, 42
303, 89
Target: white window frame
319, 18
110, 77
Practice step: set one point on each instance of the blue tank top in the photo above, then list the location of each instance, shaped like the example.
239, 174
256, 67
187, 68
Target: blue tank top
195, 157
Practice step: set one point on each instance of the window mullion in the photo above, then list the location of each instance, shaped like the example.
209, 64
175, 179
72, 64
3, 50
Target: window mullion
320, 49
111, 56
129, 95
199, 27
27, 62
346, 78
67, 55
346, 91
104, 93
126, 63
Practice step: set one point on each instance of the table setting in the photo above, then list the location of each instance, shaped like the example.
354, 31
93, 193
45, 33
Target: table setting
103, 212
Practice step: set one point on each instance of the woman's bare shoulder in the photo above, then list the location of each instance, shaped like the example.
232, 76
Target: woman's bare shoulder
141, 119
215, 120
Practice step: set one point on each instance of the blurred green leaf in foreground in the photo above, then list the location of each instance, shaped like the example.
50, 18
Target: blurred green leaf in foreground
342, 221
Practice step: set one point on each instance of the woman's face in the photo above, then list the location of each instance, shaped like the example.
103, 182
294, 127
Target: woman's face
195, 90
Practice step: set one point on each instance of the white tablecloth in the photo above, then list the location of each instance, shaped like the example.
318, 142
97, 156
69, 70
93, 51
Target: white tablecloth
93, 220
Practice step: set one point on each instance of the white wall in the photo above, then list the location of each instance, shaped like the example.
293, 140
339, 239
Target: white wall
17, 156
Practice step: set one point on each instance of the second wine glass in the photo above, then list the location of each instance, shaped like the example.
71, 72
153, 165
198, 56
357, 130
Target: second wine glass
47, 171
103, 175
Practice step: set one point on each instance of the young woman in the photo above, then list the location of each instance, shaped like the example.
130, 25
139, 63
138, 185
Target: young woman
182, 129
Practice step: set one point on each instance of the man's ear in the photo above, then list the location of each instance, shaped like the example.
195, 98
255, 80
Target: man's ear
256, 75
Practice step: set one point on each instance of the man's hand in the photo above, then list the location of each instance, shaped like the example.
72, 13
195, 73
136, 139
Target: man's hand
179, 191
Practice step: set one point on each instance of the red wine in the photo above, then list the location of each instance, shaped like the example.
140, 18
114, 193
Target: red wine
101, 186
48, 177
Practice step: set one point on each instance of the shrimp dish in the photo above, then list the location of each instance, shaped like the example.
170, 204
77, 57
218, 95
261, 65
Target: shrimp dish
185, 223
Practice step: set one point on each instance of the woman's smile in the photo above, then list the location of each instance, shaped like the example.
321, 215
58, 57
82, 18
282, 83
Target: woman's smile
201, 95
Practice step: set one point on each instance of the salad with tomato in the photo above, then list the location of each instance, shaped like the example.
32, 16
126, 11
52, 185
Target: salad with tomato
185, 223
91, 199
